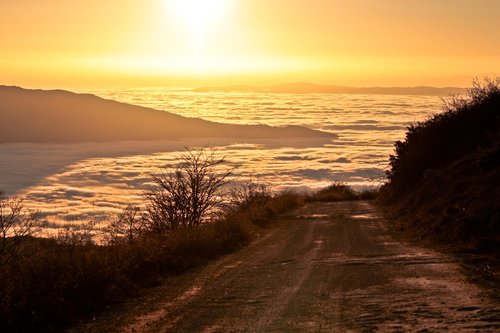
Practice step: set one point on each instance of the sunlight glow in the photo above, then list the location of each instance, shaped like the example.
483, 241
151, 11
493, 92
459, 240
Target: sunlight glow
239, 42
195, 64
197, 17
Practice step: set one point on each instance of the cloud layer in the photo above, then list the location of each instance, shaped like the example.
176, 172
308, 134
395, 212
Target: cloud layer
78, 182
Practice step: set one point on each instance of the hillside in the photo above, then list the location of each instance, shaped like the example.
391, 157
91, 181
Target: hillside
307, 88
444, 178
63, 116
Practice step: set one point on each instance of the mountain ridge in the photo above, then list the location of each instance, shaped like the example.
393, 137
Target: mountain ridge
308, 88
36, 115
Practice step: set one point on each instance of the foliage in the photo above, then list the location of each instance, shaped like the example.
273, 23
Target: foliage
444, 178
466, 124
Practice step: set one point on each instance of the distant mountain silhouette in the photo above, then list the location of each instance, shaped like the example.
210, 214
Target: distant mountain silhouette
63, 116
307, 88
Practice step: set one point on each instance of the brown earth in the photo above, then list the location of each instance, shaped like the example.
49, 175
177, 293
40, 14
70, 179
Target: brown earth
327, 267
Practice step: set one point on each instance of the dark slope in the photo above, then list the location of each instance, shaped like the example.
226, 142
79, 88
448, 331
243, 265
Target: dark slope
63, 116
445, 177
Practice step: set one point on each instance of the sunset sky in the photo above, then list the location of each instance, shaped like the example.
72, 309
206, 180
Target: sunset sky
95, 43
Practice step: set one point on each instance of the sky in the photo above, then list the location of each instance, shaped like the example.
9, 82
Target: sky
188, 43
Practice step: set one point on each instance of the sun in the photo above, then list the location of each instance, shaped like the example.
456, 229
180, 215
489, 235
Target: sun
197, 17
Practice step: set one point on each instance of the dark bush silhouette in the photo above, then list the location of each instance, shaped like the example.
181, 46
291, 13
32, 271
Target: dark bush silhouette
444, 178
467, 124
334, 192
342, 192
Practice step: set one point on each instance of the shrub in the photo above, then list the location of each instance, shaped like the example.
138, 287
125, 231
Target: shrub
466, 124
444, 178
368, 194
248, 194
334, 192
257, 204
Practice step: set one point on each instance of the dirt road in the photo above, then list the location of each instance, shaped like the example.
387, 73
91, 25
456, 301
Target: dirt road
326, 268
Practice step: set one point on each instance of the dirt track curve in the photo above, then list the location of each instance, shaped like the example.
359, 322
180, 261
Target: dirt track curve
325, 268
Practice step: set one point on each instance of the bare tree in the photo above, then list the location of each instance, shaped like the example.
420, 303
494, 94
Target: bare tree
16, 224
78, 235
128, 225
188, 194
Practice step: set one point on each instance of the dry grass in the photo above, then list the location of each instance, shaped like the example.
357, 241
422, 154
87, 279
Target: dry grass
54, 283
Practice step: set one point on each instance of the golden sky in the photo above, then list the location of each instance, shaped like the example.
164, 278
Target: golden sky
96, 43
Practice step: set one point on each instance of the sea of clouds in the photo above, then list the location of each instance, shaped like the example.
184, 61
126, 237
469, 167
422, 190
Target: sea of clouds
77, 182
